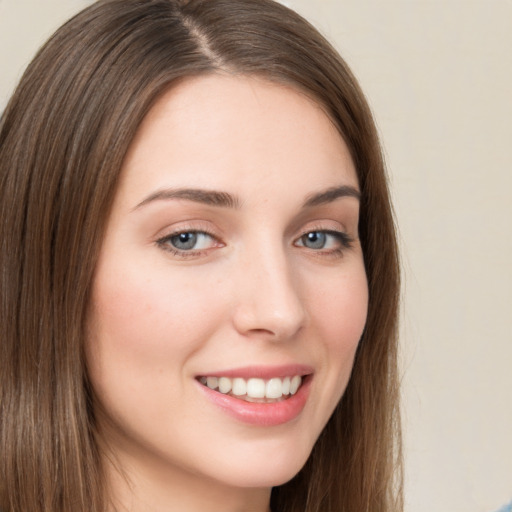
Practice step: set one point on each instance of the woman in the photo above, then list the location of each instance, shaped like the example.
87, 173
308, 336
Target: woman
198, 269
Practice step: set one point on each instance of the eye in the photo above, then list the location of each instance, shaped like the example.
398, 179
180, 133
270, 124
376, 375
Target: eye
188, 242
324, 240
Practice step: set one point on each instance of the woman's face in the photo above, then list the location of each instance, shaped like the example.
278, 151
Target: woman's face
231, 258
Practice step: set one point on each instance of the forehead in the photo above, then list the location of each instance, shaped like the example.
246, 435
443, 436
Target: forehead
222, 131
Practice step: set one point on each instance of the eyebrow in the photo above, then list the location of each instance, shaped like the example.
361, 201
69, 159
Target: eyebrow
209, 197
227, 200
330, 195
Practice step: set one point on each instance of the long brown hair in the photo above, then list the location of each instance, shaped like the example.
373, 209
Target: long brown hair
63, 138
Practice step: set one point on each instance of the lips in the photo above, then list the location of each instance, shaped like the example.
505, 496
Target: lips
264, 396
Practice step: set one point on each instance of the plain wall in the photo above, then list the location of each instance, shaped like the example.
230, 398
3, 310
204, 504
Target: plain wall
438, 75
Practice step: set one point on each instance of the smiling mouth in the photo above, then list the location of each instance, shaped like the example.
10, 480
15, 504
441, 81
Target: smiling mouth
255, 390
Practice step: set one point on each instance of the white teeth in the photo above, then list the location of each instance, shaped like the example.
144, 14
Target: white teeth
224, 385
294, 384
274, 388
239, 387
256, 388
286, 386
212, 382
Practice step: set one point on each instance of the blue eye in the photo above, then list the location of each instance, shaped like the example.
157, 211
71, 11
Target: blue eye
324, 240
188, 241
314, 240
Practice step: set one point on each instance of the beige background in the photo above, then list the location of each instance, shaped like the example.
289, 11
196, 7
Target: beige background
438, 74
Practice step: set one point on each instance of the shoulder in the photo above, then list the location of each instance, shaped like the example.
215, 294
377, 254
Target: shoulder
506, 508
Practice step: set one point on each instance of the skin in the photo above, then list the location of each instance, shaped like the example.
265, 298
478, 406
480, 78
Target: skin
251, 292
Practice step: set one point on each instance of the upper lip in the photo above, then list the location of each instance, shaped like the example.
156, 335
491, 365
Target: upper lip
262, 372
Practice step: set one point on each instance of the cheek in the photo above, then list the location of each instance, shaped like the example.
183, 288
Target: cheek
340, 308
143, 330
141, 311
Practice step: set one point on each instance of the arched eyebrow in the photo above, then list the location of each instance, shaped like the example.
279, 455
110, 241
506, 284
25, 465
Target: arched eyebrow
330, 195
209, 197
227, 200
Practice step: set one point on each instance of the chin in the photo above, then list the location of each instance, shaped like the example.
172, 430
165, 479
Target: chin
266, 468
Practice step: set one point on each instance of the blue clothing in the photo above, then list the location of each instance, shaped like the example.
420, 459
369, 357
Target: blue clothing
506, 508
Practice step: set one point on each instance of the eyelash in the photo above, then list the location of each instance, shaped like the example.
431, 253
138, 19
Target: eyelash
165, 244
344, 240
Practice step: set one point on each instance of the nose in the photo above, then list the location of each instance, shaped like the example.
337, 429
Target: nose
268, 297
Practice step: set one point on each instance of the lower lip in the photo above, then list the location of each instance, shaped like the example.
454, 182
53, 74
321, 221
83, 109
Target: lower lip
261, 414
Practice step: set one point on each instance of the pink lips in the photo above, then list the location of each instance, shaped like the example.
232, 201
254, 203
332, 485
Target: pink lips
262, 414
264, 372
